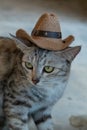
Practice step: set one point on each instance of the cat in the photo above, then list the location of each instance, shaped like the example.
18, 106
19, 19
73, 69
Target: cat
35, 83
8, 53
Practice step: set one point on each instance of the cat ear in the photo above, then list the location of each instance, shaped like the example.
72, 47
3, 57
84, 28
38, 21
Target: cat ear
71, 52
19, 43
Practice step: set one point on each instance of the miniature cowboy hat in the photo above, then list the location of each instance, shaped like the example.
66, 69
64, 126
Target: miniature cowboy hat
46, 34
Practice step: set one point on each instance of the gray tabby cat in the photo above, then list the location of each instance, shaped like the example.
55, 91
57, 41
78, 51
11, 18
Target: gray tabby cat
8, 54
35, 83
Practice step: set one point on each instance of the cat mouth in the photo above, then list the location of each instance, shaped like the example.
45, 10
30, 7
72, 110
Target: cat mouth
33, 81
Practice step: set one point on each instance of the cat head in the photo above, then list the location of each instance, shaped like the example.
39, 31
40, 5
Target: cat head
43, 66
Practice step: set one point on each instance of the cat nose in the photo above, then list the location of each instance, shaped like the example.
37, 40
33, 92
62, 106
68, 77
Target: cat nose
35, 81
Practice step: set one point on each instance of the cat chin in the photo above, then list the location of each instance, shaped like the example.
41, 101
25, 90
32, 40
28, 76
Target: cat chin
30, 81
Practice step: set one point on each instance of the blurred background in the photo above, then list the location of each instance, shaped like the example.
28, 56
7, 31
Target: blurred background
72, 14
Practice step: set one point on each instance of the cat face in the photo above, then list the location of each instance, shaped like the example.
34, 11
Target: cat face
42, 66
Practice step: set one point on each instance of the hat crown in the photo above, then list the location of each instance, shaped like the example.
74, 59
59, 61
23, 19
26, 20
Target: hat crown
48, 22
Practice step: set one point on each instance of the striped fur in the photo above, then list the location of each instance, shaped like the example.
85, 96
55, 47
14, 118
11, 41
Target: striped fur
25, 96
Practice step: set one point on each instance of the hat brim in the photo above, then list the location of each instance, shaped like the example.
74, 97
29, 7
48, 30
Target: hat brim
46, 43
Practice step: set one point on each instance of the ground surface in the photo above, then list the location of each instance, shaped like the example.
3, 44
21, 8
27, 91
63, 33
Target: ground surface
16, 14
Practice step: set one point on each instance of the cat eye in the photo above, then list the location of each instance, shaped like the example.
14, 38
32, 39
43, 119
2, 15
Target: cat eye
28, 65
48, 69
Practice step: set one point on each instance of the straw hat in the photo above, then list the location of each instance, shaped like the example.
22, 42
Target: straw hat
46, 34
